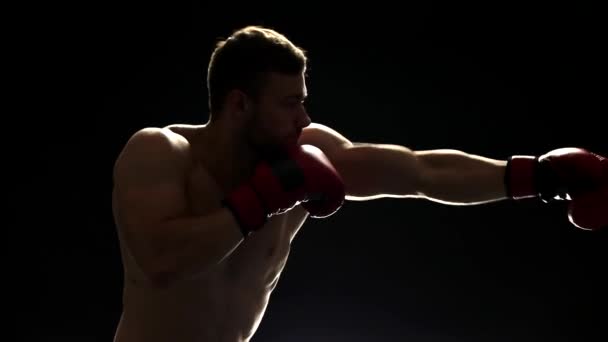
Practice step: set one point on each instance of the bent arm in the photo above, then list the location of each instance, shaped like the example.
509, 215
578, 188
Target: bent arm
152, 212
180, 247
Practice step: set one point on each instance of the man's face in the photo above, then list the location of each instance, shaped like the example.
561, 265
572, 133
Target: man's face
278, 115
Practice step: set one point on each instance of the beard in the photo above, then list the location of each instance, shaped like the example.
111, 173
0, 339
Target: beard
263, 140
263, 146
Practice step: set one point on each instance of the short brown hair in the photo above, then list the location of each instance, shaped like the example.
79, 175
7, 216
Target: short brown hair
241, 60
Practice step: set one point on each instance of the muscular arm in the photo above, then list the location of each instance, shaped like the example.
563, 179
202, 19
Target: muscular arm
383, 170
151, 210
460, 178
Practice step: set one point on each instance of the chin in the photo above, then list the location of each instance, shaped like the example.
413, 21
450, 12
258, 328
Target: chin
278, 145
270, 149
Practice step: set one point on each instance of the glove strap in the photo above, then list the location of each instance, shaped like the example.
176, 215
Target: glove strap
520, 177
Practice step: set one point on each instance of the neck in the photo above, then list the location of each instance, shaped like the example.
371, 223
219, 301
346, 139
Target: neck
228, 156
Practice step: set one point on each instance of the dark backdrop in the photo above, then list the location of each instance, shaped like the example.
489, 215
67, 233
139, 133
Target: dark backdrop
491, 79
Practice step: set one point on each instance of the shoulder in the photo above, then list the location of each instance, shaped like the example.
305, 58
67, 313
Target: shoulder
324, 137
156, 140
186, 130
152, 148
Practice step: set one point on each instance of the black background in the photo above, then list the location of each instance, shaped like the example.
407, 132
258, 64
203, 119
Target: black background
490, 79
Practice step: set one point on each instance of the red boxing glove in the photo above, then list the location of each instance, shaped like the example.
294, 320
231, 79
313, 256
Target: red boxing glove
325, 191
301, 174
590, 211
561, 174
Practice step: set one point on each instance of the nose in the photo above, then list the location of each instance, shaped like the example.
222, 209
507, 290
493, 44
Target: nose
303, 119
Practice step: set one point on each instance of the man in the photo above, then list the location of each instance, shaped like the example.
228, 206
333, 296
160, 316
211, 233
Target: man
206, 214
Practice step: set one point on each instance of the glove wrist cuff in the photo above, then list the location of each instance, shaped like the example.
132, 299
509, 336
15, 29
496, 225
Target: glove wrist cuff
520, 177
248, 210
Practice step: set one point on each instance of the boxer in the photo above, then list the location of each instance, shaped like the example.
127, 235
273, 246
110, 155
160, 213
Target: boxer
206, 213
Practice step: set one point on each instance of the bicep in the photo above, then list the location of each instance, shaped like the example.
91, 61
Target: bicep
148, 179
369, 170
373, 171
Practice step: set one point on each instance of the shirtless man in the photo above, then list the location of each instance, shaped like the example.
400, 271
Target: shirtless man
206, 213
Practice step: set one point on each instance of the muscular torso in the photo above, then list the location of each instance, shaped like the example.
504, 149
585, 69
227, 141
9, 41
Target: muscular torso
224, 304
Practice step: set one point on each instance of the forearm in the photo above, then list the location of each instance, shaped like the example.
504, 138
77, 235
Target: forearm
373, 171
186, 246
459, 178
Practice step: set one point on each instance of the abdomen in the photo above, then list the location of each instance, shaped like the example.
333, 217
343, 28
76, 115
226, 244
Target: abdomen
191, 311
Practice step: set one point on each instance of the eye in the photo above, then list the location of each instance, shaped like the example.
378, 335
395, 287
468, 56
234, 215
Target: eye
294, 103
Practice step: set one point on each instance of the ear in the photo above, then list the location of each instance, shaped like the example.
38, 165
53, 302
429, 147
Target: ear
238, 102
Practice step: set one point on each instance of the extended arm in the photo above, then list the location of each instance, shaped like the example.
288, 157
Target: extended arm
459, 178
443, 175
373, 171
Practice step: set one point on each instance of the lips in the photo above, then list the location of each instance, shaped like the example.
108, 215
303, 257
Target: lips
296, 136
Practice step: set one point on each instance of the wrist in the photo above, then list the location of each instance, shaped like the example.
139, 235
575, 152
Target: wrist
520, 177
248, 210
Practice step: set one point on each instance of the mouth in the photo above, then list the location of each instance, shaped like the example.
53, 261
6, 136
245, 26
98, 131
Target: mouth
296, 136
293, 140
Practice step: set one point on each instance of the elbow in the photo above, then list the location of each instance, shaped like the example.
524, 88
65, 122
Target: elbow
411, 179
423, 178
159, 277
406, 174
165, 270
156, 271
160, 280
